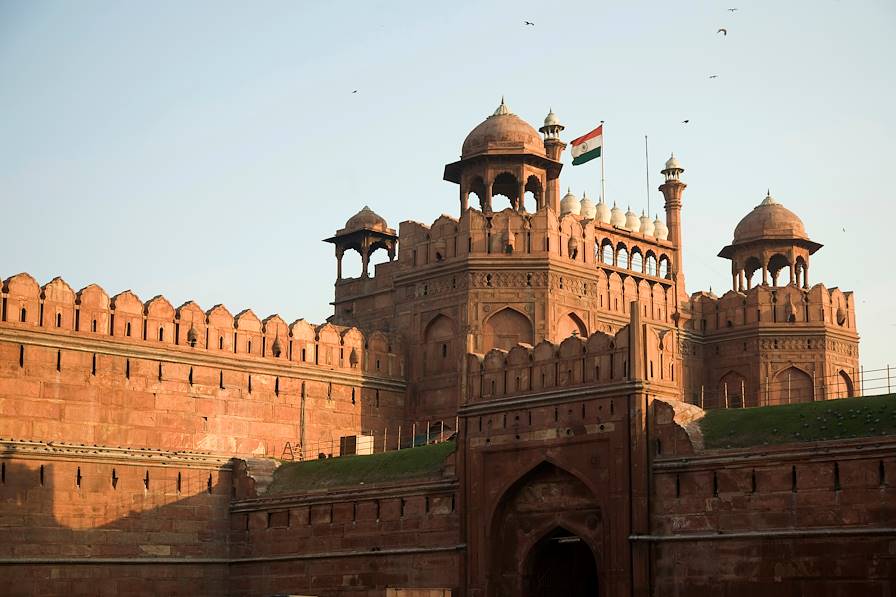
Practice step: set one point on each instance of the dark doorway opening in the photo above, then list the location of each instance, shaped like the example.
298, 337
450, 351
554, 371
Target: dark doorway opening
561, 564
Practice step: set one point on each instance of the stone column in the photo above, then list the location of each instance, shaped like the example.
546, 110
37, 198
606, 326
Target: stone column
339, 253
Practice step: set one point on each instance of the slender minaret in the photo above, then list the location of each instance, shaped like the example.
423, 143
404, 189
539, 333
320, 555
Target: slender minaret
553, 147
672, 190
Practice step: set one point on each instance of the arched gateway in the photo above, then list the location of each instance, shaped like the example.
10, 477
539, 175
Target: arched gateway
545, 537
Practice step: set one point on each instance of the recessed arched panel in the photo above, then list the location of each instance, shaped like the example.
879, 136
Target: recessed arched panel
731, 391
844, 387
791, 386
569, 325
439, 349
505, 329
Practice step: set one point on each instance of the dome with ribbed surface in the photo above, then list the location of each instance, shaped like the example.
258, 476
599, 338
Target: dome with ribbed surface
503, 131
632, 223
366, 219
588, 209
570, 204
647, 226
617, 217
660, 231
602, 212
769, 220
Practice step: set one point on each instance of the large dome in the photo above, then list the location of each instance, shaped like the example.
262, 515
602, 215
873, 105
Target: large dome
769, 220
366, 219
502, 131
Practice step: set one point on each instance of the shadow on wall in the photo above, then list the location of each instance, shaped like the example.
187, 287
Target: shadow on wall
109, 528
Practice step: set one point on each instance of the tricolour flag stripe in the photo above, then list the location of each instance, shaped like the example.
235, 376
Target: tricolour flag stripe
587, 156
598, 132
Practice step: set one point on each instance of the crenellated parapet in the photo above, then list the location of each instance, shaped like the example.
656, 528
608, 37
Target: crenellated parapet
600, 358
576, 361
56, 309
769, 305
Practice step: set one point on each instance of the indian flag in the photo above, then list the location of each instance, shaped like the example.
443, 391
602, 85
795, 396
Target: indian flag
587, 147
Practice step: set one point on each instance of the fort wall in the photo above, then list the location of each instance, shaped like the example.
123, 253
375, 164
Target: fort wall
775, 520
356, 541
153, 376
83, 520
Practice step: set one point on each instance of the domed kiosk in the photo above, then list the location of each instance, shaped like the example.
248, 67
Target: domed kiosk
364, 232
505, 155
769, 239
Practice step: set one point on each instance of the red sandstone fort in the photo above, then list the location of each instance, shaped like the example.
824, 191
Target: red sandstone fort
571, 420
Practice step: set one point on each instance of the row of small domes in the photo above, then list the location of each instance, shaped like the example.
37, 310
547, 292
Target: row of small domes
613, 216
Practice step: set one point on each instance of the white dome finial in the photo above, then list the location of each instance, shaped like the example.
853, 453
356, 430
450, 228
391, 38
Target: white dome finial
503, 109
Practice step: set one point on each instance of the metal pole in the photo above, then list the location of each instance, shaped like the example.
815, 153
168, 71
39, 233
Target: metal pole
743, 395
385, 435
766, 390
427, 433
726, 394
888, 379
788, 387
399, 438
647, 168
414, 435
603, 147
701, 396
861, 378
442, 430
457, 424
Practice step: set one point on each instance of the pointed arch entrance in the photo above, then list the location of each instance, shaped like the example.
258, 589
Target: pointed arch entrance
561, 563
545, 536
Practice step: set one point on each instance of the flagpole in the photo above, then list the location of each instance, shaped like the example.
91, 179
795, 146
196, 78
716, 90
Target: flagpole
603, 191
647, 167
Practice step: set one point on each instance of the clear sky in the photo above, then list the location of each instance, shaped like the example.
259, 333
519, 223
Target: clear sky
201, 150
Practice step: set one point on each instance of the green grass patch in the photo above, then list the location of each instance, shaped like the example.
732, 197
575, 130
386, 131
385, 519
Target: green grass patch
810, 422
349, 471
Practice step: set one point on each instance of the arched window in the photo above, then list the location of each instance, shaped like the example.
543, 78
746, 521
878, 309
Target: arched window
23, 315
533, 194
59, 320
651, 266
622, 257
777, 265
607, 253
637, 260
506, 184
664, 267
161, 333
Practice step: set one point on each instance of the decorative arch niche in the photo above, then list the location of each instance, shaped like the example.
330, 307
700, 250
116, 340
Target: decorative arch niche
569, 325
439, 340
505, 329
791, 386
731, 390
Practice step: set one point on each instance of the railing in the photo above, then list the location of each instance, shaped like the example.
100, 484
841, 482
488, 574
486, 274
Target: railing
388, 439
793, 389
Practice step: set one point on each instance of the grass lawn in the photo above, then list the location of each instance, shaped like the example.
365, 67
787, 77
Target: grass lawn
813, 421
348, 471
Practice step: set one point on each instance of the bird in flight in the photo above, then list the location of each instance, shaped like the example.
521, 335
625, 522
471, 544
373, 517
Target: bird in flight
723, 31
685, 121
713, 76
732, 10
529, 23
355, 91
